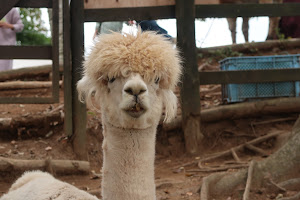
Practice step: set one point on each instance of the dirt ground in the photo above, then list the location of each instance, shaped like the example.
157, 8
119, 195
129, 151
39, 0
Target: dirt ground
173, 181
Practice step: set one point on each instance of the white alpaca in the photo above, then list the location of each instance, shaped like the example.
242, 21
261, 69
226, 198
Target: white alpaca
37, 185
132, 79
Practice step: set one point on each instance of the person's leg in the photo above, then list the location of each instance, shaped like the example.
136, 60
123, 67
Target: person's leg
232, 28
245, 28
6, 65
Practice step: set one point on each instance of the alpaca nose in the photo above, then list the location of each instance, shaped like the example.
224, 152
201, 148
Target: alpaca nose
135, 88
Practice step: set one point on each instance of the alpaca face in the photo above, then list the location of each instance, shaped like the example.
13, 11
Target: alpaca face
131, 102
142, 71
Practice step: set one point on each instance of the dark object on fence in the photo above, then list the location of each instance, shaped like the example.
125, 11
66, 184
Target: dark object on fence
289, 26
253, 91
151, 25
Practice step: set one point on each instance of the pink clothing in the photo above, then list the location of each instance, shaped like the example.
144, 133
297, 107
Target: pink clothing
8, 36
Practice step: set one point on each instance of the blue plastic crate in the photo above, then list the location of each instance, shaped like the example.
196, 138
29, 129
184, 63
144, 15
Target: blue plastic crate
254, 91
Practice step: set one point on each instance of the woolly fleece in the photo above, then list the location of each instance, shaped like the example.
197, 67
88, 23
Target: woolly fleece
43, 186
147, 53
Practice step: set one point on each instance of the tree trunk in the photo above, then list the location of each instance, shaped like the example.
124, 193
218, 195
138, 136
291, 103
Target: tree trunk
282, 165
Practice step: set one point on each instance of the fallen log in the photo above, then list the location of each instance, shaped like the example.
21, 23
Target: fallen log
16, 85
252, 109
28, 72
36, 121
63, 167
243, 110
254, 46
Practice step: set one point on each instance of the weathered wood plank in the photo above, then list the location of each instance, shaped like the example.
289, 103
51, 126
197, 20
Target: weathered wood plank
251, 47
125, 14
247, 10
26, 52
91, 4
26, 100
202, 11
249, 76
6, 6
34, 4
190, 97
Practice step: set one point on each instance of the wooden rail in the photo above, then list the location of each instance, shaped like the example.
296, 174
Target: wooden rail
249, 76
186, 42
34, 52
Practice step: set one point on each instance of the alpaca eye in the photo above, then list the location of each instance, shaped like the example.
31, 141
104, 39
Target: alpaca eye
156, 80
112, 79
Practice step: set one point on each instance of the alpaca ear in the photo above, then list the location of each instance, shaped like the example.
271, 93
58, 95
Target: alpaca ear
170, 104
85, 88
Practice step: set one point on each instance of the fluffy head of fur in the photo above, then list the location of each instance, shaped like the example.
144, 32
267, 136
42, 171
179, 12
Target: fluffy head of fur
132, 78
148, 54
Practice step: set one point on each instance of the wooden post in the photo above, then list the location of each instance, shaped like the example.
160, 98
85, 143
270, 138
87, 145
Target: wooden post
79, 109
190, 97
68, 127
6, 6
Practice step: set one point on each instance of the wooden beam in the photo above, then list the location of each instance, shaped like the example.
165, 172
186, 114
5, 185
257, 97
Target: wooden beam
253, 46
202, 11
249, 76
55, 50
190, 97
68, 123
247, 10
92, 4
26, 52
26, 100
79, 109
34, 4
6, 6
125, 14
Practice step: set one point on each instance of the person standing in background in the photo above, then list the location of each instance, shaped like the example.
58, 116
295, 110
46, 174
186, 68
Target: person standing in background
10, 24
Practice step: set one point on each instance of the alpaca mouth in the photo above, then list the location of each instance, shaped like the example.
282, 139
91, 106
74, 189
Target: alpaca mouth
135, 111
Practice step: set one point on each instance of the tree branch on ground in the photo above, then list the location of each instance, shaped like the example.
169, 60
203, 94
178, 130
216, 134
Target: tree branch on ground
283, 164
63, 167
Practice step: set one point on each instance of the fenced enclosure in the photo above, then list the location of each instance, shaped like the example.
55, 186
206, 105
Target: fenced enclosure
78, 12
34, 52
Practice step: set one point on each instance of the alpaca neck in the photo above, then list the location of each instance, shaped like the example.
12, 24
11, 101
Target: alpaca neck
128, 163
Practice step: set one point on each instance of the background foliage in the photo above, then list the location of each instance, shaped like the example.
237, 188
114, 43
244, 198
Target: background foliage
34, 32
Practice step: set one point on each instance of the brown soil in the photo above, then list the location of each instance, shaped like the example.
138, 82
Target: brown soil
173, 181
